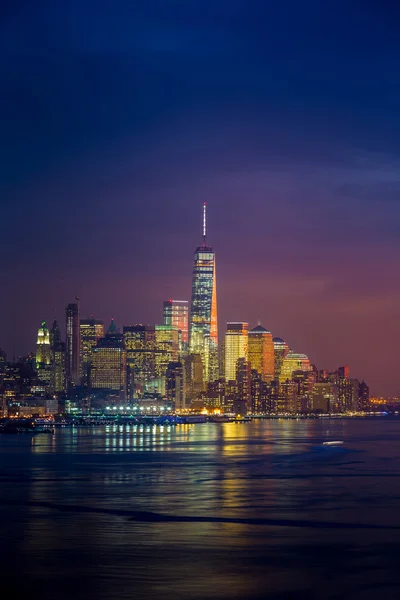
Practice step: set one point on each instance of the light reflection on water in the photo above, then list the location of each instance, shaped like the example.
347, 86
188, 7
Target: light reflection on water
257, 510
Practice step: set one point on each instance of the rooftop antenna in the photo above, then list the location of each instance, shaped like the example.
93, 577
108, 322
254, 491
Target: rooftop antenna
204, 223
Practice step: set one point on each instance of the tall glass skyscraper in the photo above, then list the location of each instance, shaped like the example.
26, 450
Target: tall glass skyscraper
72, 354
203, 330
176, 315
236, 347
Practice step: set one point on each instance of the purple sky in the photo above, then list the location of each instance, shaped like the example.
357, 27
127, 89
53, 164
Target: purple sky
121, 121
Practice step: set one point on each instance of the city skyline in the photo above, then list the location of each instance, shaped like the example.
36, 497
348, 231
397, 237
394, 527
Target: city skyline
204, 260
271, 113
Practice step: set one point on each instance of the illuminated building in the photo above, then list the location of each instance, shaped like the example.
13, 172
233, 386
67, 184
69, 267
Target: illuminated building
176, 314
281, 349
293, 362
344, 372
363, 397
286, 400
55, 335
175, 385
203, 330
348, 391
43, 354
242, 404
261, 354
167, 347
323, 397
214, 396
58, 381
304, 381
140, 346
72, 345
43, 349
91, 330
260, 394
236, 345
194, 376
108, 364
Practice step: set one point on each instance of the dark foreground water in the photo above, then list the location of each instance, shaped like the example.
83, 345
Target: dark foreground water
208, 511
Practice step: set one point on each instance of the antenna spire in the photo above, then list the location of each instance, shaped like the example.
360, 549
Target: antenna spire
204, 222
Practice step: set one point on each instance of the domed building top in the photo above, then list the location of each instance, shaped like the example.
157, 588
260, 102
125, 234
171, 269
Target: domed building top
278, 340
297, 354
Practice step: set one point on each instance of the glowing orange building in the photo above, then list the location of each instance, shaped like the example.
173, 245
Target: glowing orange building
260, 352
203, 330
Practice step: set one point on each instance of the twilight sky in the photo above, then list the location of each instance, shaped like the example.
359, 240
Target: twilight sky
120, 117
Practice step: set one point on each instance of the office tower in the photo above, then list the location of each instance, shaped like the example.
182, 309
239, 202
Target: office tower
242, 404
167, 348
108, 363
91, 330
55, 335
363, 397
236, 346
304, 381
175, 385
294, 362
176, 314
194, 376
43, 349
261, 354
58, 379
324, 397
140, 346
58, 384
344, 372
281, 349
214, 397
43, 355
203, 330
72, 344
287, 399
348, 393
260, 393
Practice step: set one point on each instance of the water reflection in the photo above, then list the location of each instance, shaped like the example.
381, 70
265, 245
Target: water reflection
221, 510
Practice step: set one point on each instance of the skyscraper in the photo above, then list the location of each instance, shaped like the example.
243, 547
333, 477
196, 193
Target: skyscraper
293, 362
108, 363
58, 360
43, 349
72, 346
261, 352
281, 350
203, 331
236, 346
167, 348
91, 330
176, 314
43, 354
140, 345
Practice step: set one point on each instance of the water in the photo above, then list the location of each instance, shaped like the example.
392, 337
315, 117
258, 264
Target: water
208, 511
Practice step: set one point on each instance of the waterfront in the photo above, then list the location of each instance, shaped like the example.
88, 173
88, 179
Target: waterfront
215, 510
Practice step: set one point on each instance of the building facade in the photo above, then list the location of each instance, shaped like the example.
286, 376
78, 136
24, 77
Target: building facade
203, 330
261, 354
72, 344
236, 346
91, 330
176, 314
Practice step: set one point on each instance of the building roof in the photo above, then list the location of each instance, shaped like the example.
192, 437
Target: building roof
112, 328
278, 340
259, 329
